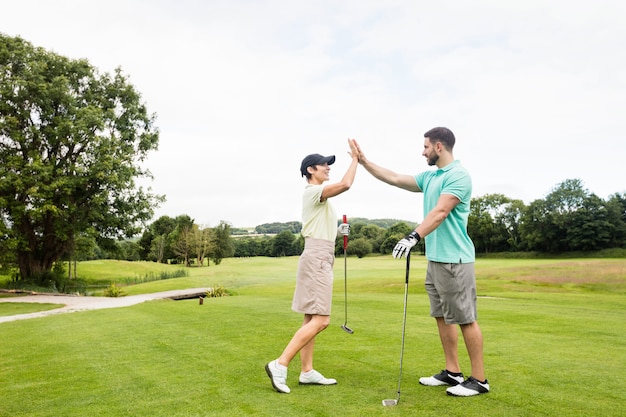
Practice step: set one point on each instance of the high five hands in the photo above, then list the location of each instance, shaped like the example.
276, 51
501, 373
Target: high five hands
354, 152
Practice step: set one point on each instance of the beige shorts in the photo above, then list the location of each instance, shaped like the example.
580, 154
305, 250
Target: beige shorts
314, 280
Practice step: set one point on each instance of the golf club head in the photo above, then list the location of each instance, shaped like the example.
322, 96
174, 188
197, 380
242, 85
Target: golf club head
347, 329
390, 403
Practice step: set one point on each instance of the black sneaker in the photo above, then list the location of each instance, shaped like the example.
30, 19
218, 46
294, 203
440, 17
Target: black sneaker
471, 386
442, 378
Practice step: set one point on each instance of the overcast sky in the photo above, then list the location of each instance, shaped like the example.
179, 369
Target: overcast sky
534, 90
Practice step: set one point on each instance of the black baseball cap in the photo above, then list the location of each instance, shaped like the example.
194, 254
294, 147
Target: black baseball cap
315, 159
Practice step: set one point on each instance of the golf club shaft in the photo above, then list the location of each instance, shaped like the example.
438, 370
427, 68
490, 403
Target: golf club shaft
345, 286
388, 403
406, 296
345, 238
345, 273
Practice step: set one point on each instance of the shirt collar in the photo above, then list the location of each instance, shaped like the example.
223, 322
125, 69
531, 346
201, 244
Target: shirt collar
449, 166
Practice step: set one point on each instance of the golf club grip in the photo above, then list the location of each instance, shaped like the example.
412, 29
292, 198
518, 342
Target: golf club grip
345, 238
408, 266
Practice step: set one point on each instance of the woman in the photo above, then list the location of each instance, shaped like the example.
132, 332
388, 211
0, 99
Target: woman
314, 280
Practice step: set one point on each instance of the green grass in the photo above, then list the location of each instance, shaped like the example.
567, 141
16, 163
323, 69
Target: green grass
12, 309
554, 345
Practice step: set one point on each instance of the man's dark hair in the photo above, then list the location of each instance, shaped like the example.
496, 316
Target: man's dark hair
443, 135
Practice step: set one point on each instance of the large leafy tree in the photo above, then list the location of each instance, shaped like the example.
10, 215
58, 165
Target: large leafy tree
570, 218
616, 207
493, 223
203, 244
156, 240
283, 244
222, 243
72, 142
182, 238
485, 232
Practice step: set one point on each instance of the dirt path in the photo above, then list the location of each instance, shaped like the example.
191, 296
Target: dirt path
73, 303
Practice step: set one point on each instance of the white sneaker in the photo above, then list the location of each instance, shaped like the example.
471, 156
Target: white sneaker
442, 378
471, 386
315, 378
278, 377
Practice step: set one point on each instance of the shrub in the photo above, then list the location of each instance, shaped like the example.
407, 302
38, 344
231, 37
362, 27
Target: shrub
217, 291
114, 290
359, 247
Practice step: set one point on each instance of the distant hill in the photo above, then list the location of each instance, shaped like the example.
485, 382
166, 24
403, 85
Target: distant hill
384, 223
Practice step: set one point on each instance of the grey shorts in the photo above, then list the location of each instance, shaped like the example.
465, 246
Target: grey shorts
314, 280
451, 289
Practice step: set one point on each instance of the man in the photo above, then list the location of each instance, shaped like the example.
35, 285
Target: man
450, 280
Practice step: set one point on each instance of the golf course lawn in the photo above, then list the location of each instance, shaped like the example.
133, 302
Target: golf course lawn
554, 334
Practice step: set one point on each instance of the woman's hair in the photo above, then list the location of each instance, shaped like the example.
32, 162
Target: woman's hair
443, 135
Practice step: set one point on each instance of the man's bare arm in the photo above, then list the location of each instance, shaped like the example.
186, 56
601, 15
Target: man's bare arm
406, 182
437, 215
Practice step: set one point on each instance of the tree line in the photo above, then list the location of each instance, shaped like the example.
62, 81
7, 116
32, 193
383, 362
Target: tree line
569, 219
171, 240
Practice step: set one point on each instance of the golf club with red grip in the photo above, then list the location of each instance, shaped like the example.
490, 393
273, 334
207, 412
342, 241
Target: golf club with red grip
345, 281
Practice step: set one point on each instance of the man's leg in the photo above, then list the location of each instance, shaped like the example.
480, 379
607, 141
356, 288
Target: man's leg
449, 335
473, 337
476, 384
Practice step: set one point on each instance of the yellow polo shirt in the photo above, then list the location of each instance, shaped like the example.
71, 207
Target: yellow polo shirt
319, 219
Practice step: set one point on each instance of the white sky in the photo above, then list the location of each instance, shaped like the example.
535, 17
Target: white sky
534, 90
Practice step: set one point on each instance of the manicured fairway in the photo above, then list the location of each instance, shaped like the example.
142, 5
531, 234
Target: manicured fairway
554, 345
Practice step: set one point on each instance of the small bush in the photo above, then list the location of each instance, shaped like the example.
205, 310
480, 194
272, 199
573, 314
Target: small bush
217, 291
114, 290
359, 247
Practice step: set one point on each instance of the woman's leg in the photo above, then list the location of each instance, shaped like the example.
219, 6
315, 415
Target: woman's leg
303, 341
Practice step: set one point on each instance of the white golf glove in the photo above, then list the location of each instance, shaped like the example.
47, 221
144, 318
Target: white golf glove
344, 229
403, 247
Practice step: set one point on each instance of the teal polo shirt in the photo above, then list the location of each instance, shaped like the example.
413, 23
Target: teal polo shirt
448, 243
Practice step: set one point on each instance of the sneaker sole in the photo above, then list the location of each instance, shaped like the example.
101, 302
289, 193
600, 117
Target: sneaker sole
315, 383
464, 392
439, 383
434, 384
468, 393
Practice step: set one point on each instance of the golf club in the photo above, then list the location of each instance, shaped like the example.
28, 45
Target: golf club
345, 281
392, 402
